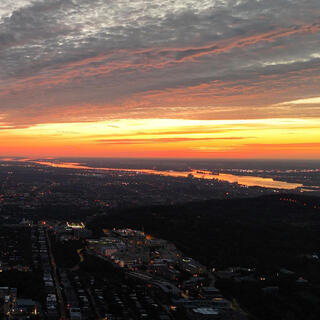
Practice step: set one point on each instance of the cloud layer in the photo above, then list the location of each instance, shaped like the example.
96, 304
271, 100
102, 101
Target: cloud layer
90, 60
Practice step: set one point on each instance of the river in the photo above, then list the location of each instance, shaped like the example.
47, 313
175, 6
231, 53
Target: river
249, 181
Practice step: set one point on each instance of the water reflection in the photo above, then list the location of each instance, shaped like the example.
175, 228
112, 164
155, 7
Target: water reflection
249, 181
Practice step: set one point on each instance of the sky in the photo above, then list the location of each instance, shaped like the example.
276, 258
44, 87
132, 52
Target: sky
167, 78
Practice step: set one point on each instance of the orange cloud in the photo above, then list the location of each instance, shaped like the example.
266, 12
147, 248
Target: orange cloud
162, 140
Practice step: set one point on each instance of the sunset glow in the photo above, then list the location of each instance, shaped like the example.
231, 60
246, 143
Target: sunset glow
182, 79
262, 138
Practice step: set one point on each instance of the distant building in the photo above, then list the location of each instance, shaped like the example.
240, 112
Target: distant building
75, 314
24, 307
26, 223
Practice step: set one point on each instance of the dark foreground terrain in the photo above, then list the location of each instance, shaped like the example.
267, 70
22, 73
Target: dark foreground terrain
265, 231
263, 253
277, 238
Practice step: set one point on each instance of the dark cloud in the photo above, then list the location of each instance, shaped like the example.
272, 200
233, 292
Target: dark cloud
69, 54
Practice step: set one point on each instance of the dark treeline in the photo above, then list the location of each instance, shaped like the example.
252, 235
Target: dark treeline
268, 232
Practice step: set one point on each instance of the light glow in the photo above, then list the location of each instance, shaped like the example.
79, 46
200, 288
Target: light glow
262, 138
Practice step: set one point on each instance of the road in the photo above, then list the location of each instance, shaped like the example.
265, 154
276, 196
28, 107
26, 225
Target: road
56, 280
93, 303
